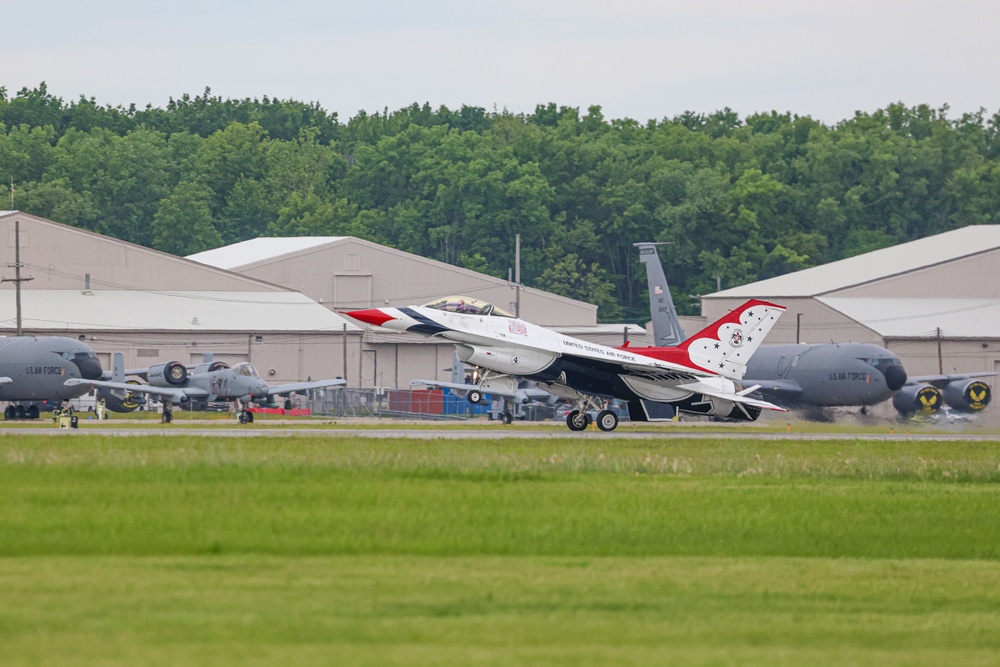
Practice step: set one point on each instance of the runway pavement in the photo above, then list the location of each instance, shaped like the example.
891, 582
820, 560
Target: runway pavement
392, 430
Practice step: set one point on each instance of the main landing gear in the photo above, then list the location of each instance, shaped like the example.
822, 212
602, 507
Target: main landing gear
578, 419
18, 412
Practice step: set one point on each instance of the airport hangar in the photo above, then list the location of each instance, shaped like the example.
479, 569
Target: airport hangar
347, 273
155, 307
935, 302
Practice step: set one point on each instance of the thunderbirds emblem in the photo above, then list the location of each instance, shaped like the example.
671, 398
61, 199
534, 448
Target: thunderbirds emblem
736, 340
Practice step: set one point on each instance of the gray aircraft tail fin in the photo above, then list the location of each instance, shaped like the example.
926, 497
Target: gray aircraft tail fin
118, 367
667, 330
457, 370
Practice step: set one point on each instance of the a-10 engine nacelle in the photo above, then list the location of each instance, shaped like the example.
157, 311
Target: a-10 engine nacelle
922, 399
967, 395
514, 362
167, 374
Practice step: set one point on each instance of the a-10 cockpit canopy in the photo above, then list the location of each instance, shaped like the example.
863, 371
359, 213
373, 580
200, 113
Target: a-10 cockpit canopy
467, 306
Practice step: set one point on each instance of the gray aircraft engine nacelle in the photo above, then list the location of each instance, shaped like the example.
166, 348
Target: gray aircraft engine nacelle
914, 399
514, 362
167, 374
967, 395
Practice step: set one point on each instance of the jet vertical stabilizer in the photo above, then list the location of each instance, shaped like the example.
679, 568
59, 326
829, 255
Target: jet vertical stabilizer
667, 331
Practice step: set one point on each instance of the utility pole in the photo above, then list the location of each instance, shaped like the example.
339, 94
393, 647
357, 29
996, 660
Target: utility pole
17, 279
940, 360
517, 275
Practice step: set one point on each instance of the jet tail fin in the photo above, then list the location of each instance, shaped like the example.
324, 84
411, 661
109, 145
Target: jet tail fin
725, 346
667, 330
118, 368
457, 370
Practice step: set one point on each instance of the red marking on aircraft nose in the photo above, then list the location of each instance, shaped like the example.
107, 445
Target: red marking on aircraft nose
370, 316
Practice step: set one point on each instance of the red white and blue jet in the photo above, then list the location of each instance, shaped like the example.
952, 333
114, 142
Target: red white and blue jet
699, 376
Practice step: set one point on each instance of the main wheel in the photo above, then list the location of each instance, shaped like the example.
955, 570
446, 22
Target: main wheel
607, 420
576, 420
33, 412
474, 396
167, 417
249, 417
20, 412
506, 418
8, 412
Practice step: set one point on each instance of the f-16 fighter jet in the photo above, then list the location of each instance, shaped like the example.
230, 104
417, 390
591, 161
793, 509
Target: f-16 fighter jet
699, 376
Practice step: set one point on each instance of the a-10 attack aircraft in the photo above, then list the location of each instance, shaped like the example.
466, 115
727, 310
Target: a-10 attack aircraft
36, 368
172, 382
813, 377
700, 376
525, 393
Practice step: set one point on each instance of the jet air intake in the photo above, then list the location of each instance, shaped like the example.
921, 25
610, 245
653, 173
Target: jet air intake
167, 374
503, 360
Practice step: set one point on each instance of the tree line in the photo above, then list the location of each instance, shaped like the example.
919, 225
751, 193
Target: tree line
739, 199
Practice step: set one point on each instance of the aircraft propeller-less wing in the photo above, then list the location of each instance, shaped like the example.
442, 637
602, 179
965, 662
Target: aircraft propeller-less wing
698, 376
172, 383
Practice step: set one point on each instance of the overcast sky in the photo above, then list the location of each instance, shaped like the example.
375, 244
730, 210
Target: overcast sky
640, 59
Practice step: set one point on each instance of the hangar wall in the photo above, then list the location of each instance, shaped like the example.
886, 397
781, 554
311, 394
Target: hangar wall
350, 273
58, 256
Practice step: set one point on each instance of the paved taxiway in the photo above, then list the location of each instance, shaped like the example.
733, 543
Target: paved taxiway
490, 434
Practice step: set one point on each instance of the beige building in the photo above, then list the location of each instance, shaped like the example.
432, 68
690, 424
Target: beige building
346, 273
934, 301
156, 307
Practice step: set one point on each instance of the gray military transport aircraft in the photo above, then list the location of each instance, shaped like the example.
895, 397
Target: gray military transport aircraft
172, 381
813, 377
35, 368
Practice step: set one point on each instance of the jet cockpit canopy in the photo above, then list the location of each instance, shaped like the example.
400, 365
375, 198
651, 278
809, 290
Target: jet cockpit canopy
246, 369
467, 306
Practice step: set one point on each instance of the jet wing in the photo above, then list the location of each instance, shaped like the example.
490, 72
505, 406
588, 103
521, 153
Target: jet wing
735, 397
171, 393
940, 381
285, 389
778, 388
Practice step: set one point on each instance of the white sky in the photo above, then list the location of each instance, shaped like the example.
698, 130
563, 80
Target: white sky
640, 59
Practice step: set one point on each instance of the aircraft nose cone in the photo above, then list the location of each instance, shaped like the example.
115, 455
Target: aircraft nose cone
895, 377
373, 316
90, 367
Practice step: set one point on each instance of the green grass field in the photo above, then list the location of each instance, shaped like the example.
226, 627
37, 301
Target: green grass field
216, 551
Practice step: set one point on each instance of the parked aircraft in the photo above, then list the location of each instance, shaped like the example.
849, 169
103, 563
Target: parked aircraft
525, 393
171, 382
35, 368
814, 377
699, 376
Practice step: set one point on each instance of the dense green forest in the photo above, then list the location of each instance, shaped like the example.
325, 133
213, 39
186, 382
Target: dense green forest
740, 199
